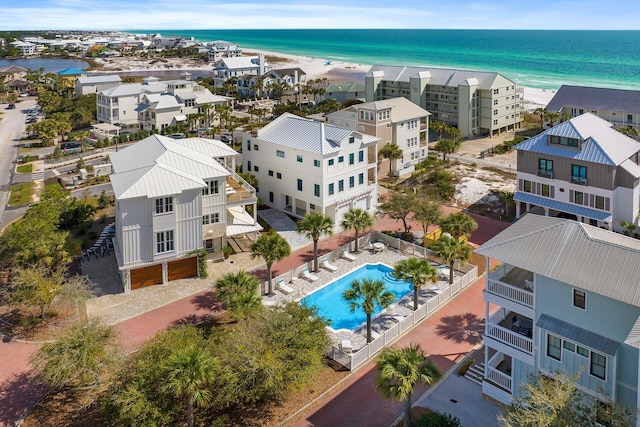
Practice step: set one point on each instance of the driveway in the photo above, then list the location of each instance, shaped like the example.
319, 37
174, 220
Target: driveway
285, 227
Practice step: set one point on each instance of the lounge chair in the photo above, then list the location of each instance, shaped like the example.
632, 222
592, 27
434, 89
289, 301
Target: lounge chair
346, 346
397, 317
328, 266
284, 287
348, 256
374, 335
308, 275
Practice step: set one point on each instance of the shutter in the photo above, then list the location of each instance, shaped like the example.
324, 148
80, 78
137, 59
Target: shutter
607, 202
592, 200
520, 185
585, 199
571, 199
552, 192
538, 188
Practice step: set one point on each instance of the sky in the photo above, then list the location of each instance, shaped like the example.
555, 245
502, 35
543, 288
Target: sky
283, 14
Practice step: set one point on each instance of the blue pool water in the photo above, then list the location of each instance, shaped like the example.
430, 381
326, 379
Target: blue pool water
331, 305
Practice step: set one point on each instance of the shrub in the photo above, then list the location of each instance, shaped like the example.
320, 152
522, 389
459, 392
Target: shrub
434, 419
465, 367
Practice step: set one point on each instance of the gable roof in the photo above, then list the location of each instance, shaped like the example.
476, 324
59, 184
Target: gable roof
596, 98
158, 165
572, 252
309, 135
401, 108
348, 87
602, 144
438, 76
281, 72
238, 62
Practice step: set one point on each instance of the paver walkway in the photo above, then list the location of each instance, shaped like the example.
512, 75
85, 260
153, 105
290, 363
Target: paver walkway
285, 226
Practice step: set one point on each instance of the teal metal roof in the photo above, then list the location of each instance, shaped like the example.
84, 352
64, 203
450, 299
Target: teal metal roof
70, 72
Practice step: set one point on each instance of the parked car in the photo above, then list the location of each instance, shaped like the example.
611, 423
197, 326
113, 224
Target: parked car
11, 107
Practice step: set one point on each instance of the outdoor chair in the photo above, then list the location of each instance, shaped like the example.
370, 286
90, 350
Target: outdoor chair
284, 287
308, 275
328, 266
348, 256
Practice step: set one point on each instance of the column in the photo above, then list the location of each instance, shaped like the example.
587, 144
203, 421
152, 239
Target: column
517, 210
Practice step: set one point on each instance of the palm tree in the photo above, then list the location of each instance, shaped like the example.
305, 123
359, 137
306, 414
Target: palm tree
451, 250
400, 370
438, 127
189, 372
419, 271
272, 247
314, 225
447, 146
458, 224
508, 199
629, 228
358, 220
237, 291
392, 152
541, 112
367, 294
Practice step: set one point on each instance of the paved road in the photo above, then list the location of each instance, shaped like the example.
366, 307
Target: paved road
11, 128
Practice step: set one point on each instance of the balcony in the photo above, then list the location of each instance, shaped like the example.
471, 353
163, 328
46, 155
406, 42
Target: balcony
545, 173
505, 335
238, 190
580, 180
512, 283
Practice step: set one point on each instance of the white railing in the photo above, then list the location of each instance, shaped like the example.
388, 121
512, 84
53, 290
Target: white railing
498, 377
239, 179
510, 292
510, 338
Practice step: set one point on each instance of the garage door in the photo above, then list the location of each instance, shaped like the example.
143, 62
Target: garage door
146, 276
183, 268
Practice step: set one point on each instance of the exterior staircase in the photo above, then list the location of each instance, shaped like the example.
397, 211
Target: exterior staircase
476, 373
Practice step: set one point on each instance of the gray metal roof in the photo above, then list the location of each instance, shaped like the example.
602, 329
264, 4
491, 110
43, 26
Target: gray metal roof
578, 254
602, 144
348, 87
309, 135
439, 76
109, 78
577, 334
562, 206
596, 98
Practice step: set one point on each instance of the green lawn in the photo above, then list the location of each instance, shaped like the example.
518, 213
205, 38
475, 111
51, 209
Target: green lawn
28, 168
20, 194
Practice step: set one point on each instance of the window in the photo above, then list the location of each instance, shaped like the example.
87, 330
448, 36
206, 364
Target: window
598, 365
331, 189
312, 206
600, 202
270, 196
568, 345
164, 241
579, 299
341, 159
495, 112
352, 181
545, 190
316, 190
280, 153
554, 345
212, 188
248, 165
256, 147
210, 218
352, 140
299, 185
352, 157
578, 198
278, 175
545, 168
164, 205
361, 179
341, 185
495, 102
563, 140
256, 169
579, 174
270, 172
299, 158
582, 351
526, 186
248, 145
316, 163
496, 91
360, 156
331, 162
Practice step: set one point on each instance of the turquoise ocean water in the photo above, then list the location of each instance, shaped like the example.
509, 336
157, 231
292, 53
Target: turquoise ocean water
533, 58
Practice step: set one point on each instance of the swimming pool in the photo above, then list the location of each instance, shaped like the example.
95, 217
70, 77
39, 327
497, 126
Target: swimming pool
331, 305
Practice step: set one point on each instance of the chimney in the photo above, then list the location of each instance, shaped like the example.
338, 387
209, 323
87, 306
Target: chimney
260, 64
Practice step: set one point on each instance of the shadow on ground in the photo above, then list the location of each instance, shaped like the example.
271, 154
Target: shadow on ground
461, 328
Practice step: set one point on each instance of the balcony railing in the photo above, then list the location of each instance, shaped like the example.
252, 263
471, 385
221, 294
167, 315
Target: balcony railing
579, 180
498, 377
545, 173
510, 292
511, 338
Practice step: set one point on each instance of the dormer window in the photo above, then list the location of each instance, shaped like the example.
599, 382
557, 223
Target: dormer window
563, 140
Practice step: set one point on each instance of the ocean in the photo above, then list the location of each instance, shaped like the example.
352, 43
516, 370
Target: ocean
533, 58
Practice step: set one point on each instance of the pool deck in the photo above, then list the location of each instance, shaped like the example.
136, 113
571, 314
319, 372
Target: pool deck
383, 321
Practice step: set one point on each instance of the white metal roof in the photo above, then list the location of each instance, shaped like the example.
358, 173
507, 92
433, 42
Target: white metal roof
578, 254
602, 143
109, 78
210, 147
159, 165
439, 76
309, 135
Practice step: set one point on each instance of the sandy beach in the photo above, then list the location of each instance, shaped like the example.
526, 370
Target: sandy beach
334, 71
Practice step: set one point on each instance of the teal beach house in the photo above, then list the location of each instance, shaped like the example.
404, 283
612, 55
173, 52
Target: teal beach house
568, 300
